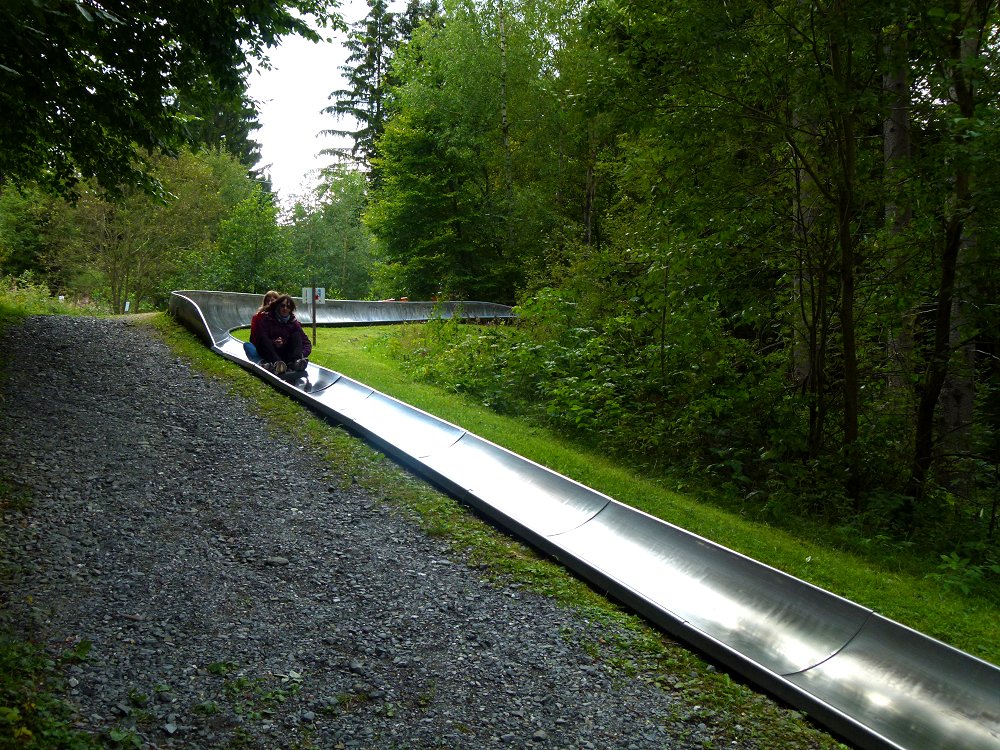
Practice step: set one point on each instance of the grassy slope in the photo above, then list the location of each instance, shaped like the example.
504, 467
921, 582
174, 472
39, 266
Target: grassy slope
890, 587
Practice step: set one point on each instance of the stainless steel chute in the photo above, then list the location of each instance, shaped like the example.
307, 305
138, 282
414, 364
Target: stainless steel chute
873, 681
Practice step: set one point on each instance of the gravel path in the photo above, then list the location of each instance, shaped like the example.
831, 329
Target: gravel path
236, 596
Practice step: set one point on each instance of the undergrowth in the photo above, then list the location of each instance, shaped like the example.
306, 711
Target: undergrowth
536, 382
23, 295
718, 422
32, 716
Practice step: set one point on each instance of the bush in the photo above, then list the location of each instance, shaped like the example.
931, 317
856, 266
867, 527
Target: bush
25, 295
683, 396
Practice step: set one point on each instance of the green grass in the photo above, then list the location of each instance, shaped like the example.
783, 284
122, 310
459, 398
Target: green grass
20, 297
893, 585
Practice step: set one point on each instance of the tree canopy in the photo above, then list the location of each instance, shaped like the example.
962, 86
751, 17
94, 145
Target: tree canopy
708, 206
83, 84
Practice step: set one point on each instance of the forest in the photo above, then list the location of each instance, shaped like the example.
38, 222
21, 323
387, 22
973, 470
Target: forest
752, 246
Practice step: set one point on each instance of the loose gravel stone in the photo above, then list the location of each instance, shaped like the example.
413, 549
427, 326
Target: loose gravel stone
231, 593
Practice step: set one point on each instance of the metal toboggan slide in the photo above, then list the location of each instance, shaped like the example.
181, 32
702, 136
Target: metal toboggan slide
876, 683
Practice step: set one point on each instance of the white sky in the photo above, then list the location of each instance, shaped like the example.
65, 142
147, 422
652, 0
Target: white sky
291, 96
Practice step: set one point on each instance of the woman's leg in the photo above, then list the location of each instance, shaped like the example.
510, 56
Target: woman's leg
266, 350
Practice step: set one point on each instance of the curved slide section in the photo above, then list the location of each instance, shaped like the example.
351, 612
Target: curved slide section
873, 681
212, 315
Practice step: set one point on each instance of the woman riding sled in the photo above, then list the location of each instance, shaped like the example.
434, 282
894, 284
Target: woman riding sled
281, 342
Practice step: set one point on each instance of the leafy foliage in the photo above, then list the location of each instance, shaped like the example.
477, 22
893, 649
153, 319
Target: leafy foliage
137, 244
133, 248
28, 218
328, 239
467, 177
25, 295
83, 84
224, 120
253, 254
32, 717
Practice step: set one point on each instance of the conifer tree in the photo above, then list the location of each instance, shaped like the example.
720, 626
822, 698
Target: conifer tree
372, 41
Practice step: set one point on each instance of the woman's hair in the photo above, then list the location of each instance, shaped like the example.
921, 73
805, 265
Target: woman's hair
283, 298
269, 296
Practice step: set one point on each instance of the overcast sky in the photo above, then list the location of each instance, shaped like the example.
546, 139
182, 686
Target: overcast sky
291, 96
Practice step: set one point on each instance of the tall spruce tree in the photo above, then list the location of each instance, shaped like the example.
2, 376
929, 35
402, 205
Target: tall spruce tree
226, 120
371, 42
416, 13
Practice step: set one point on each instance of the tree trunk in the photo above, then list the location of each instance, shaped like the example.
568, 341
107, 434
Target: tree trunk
896, 150
929, 388
840, 63
896, 127
811, 329
588, 206
508, 162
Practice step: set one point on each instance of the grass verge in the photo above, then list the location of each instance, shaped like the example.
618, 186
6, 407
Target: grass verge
20, 297
32, 716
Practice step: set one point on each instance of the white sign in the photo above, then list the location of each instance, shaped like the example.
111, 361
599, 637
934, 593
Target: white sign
320, 295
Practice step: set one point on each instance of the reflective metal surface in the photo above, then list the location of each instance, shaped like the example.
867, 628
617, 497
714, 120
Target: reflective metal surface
782, 623
873, 681
512, 489
414, 433
928, 694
